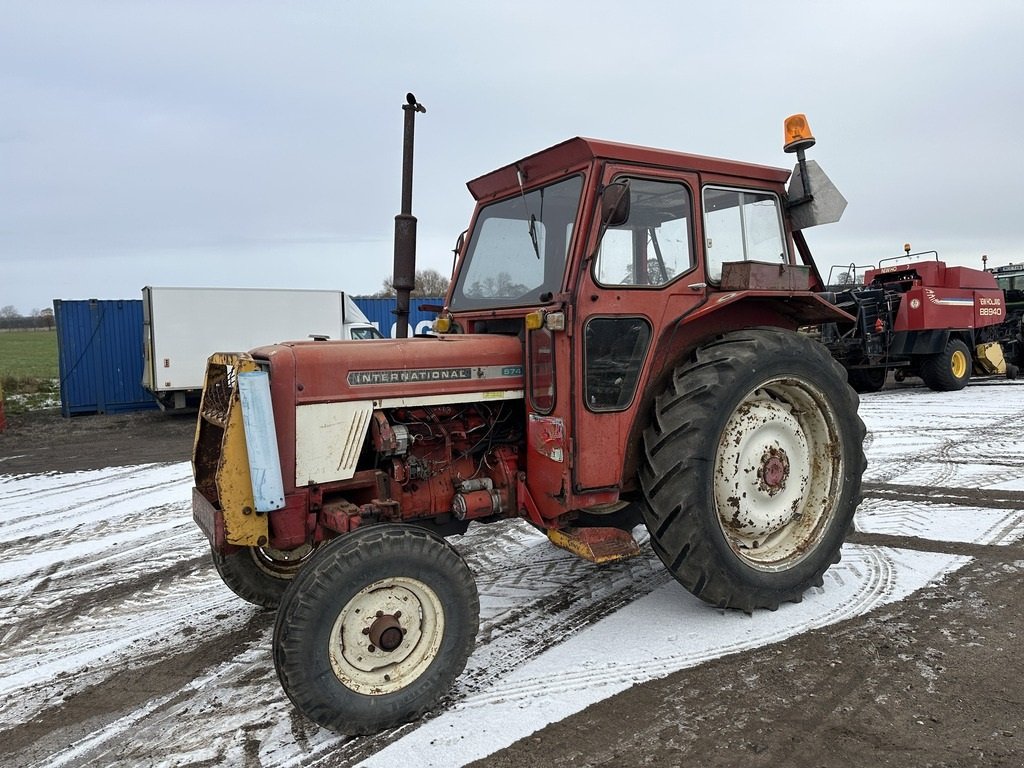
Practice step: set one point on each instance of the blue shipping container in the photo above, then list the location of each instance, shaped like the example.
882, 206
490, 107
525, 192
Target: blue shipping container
99, 351
381, 312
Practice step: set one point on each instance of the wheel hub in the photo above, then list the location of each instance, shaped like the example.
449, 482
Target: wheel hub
958, 364
773, 471
386, 631
386, 635
760, 447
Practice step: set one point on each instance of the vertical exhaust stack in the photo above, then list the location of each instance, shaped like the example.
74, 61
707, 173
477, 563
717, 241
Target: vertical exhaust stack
404, 278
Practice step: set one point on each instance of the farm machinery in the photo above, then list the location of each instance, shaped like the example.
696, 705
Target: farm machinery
1010, 279
921, 317
619, 346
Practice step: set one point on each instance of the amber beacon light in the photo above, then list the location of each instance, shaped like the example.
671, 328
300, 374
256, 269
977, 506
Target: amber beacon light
797, 134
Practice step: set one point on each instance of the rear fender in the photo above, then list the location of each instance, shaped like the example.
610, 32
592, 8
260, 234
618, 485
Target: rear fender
720, 314
768, 308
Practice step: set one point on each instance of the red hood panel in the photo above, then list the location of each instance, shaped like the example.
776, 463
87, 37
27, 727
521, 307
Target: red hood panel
374, 369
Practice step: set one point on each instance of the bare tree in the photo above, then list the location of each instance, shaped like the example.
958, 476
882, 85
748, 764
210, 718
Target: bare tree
429, 282
10, 317
492, 287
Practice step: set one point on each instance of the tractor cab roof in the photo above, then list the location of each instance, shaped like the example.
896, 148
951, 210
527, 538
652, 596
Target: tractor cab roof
577, 153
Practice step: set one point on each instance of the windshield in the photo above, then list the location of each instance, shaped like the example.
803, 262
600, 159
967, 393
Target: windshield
1011, 282
366, 332
518, 248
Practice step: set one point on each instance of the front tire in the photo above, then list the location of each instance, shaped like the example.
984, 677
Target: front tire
752, 469
950, 369
260, 575
376, 628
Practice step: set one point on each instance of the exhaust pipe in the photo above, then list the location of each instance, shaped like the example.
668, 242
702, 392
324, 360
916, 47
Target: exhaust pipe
404, 278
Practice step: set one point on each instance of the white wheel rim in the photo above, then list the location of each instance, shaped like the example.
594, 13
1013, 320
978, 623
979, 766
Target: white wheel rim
777, 473
367, 654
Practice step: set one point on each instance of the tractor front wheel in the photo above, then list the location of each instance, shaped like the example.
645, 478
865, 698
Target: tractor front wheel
752, 469
950, 369
260, 575
375, 628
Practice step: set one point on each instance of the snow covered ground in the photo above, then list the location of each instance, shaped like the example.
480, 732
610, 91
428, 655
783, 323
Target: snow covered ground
117, 636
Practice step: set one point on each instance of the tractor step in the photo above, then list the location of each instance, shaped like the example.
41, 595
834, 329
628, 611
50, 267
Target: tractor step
598, 545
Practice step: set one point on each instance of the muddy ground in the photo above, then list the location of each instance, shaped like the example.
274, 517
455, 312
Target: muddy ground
44, 441
935, 680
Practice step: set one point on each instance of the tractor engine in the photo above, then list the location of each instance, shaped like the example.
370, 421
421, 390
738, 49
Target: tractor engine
463, 458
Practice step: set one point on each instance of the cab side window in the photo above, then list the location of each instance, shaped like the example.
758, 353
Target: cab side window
741, 225
613, 354
653, 246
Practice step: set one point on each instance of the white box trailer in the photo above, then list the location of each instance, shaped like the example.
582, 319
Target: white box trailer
182, 327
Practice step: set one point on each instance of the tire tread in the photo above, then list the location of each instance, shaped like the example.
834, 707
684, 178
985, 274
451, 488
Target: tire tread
673, 473
324, 580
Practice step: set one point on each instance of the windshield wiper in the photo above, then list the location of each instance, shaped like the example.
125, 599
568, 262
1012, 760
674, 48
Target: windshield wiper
533, 219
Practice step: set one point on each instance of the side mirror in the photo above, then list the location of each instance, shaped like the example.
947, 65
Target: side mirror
615, 204
457, 251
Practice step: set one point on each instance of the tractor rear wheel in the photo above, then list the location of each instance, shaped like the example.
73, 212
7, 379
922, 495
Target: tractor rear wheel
752, 469
260, 575
950, 369
375, 628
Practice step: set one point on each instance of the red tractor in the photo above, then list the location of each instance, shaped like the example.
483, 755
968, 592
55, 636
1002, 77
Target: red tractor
921, 318
619, 346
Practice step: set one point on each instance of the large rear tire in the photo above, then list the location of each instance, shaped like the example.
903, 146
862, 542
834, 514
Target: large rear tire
950, 369
260, 575
752, 469
375, 628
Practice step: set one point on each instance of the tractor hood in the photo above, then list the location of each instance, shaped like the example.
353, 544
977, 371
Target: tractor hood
378, 369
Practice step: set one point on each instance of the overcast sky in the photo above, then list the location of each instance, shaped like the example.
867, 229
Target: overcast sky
259, 144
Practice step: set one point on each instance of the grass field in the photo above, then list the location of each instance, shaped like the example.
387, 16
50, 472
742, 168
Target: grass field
28, 369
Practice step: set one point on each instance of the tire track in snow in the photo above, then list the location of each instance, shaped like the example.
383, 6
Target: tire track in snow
85, 542
874, 571
40, 487
525, 627
231, 710
927, 428
521, 634
531, 629
481, 684
77, 512
926, 494
145, 626
63, 605
94, 566
74, 719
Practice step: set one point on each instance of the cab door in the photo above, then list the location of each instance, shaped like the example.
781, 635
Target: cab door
644, 275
